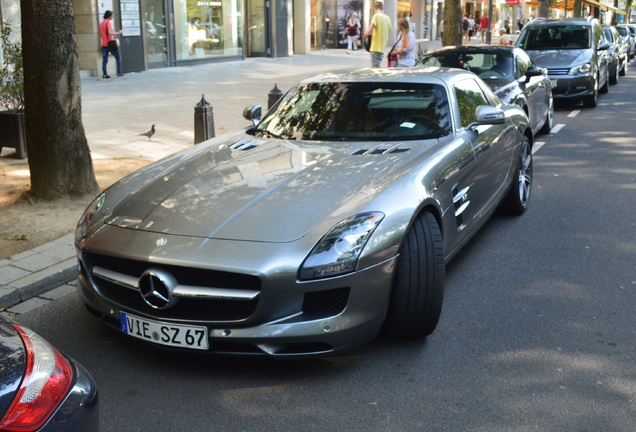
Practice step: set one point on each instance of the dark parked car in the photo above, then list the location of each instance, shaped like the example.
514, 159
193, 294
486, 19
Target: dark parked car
40, 388
327, 222
628, 37
509, 71
575, 53
618, 53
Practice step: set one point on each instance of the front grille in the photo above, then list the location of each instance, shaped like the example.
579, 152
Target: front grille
186, 308
184, 275
325, 303
559, 71
197, 309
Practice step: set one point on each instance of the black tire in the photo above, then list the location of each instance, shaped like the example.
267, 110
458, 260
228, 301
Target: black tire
592, 100
418, 285
623, 70
518, 198
549, 117
605, 87
615, 73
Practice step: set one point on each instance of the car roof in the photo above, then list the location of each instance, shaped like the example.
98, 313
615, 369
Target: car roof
498, 49
563, 21
428, 74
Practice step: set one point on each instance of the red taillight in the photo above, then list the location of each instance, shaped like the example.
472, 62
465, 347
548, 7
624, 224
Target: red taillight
46, 382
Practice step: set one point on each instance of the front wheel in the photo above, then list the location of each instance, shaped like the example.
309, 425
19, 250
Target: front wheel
605, 87
519, 196
592, 100
549, 117
418, 286
615, 73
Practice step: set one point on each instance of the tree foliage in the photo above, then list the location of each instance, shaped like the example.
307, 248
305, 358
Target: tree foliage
11, 72
59, 158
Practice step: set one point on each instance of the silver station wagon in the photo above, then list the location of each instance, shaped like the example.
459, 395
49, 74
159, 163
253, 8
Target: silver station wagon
326, 223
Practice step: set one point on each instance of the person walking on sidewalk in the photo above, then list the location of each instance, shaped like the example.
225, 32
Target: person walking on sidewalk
109, 44
352, 32
379, 31
404, 48
483, 27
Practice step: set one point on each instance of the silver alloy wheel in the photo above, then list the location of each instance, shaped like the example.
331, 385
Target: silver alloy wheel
525, 174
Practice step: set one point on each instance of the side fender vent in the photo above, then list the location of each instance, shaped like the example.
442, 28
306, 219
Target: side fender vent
380, 150
243, 145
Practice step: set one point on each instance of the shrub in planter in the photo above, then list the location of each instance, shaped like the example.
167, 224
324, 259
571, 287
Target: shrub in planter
11, 94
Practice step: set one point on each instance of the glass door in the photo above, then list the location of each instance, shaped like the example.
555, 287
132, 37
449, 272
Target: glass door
258, 32
157, 32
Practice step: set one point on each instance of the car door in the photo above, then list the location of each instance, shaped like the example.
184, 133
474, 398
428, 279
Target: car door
492, 145
535, 89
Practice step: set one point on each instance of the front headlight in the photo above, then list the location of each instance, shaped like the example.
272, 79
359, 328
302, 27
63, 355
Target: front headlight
337, 251
86, 219
583, 69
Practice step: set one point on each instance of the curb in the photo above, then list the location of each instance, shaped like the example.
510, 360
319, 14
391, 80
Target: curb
32, 273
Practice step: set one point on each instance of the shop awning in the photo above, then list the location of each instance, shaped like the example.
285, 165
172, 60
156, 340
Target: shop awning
570, 5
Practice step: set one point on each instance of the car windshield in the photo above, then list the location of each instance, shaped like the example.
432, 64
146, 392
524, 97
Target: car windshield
359, 111
555, 37
488, 65
622, 31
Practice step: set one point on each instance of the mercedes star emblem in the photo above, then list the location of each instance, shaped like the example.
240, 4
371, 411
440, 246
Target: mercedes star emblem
156, 288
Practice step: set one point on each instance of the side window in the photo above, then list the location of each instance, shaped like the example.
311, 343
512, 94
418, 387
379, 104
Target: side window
469, 97
523, 63
598, 35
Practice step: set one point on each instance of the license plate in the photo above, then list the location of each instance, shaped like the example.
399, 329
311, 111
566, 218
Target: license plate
554, 83
175, 335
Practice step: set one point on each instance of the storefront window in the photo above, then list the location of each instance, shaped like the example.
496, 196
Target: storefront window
205, 29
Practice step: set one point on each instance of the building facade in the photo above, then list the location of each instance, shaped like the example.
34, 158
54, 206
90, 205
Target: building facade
165, 33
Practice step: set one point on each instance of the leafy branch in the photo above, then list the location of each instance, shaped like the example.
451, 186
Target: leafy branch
11, 72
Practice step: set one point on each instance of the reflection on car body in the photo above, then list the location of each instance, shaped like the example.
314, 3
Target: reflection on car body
574, 51
511, 74
308, 234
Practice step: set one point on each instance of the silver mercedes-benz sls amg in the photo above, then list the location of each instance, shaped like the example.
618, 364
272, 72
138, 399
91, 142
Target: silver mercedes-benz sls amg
327, 222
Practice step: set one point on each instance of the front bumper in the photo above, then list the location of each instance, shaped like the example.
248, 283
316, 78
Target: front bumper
572, 87
288, 318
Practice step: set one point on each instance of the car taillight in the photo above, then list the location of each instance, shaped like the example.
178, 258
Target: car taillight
46, 382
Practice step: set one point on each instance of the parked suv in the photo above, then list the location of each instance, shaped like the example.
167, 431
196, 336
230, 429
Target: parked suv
575, 53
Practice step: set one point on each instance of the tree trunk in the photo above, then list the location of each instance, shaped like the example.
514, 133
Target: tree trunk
452, 22
59, 158
544, 8
577, 10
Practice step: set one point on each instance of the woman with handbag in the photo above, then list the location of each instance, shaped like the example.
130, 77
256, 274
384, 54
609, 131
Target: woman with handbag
404, 47
109, 44
352, 32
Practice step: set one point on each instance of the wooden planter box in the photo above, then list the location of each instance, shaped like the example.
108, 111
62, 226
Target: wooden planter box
12, 133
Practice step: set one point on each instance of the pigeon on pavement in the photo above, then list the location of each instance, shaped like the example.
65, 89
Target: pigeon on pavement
149, 133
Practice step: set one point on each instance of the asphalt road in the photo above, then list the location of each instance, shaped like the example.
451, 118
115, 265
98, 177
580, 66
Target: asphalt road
537, 330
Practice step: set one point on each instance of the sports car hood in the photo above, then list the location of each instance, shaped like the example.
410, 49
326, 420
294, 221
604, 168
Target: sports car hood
553, 59
247, 188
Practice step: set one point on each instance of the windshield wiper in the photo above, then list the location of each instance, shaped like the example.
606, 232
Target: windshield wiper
273, 135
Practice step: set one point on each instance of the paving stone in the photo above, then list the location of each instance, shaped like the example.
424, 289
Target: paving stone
58, 292
28, 305
10, 274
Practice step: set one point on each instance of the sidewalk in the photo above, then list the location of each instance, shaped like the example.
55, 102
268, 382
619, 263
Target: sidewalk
115, 111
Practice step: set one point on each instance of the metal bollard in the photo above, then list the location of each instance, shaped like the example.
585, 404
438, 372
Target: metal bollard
203, 121
273, 96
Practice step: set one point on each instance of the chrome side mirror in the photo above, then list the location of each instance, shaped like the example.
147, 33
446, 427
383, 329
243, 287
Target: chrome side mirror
253, 113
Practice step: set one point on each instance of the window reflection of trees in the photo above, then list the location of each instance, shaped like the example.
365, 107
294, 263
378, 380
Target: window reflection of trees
361, 111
